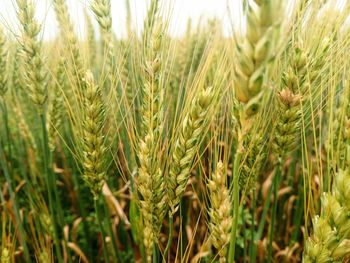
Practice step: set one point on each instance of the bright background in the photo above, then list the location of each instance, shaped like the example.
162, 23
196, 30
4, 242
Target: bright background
180, 10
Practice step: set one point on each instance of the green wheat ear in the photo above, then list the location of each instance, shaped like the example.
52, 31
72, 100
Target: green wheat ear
186, 146
56, 108
219, 212
3, 58
93, 148
150, 181
35, 75
330, 241
254, 52
288, 124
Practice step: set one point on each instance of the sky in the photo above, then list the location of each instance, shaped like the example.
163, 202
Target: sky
180, 10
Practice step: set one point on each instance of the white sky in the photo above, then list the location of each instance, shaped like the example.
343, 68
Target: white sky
181, 11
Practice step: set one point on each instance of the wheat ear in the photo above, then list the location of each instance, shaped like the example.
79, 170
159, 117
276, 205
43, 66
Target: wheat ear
150, 180
90, 38
186, 146
57, 104
102, 11
71, 40
3, 59
93, 148
288, 123
219, 212
254, 53
330, 241
35, 76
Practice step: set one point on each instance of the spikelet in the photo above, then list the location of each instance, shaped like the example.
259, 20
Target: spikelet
288, 123
150, 180
295, 77
3, 71
57, 104
93, 148
5, 255
219, 212
330, 241
185, 147
35, 77
254, 52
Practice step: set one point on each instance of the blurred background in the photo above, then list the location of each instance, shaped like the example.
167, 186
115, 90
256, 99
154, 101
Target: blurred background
181, 11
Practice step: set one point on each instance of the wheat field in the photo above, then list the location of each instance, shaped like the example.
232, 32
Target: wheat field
153, 148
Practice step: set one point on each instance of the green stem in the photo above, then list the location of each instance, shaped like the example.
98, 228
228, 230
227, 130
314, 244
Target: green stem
99, 221
252, 228
170, 237
50, 182
276, 180
7, 129
155, 254
116, 256
235, 196
261, 224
